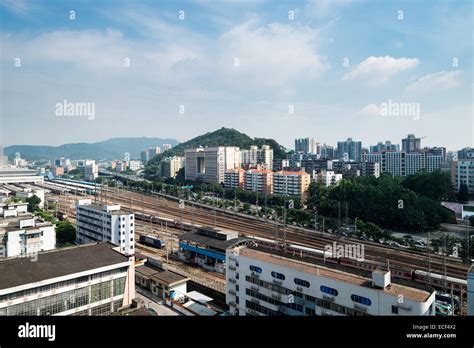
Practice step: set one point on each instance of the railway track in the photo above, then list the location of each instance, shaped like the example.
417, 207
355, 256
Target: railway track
250, 227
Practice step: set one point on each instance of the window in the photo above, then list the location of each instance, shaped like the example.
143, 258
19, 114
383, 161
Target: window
328, 290
255, 269
237, 287
395, 310
301, 282
361, 300
278, 275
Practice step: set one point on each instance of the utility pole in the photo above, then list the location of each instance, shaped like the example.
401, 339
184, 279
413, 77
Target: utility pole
316, 220
339, 214
347, 217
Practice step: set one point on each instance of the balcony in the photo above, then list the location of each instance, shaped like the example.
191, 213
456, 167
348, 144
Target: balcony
232, 304
276, 297
232, 280
232, 268
277, 282
254, 300
232, 292
254, 288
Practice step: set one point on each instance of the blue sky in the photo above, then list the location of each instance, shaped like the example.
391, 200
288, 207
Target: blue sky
284, 64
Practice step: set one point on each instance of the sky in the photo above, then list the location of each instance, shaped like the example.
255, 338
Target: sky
330, 69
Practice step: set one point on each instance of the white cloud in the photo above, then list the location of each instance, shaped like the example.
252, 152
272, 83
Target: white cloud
379, 70
270, 55
435, 81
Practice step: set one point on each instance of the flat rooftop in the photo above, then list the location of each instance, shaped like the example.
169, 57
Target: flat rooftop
166, 277
217, 244
393, 289
57, 263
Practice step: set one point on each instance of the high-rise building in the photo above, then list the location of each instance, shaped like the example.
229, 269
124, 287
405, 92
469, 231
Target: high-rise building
209, 164
106, 223
91, 172
144, 156
399, 163
291, 183
255, 157
3, 161
91, 279
260, 181
349, 150
465, 153
171, 165
166, 147
464, 174
411, 144
264, 284
387, 146
234, 178
306, 145
153, 151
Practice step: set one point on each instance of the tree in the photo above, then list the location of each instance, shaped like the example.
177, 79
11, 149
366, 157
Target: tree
33, 203
471, 220
463, 194
65, 233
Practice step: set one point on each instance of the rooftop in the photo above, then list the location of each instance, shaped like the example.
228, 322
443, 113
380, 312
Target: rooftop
169, 277
413, 294
211, 242
57, 263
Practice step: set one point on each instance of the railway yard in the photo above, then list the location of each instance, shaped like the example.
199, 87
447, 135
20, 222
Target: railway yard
169, 218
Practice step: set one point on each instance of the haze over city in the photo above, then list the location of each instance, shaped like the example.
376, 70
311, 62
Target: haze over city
279, 70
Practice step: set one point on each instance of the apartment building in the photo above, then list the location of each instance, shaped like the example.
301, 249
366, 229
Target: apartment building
260, 181
108, 223
291, 183
26, 236
234, 178
464, 173
91, 172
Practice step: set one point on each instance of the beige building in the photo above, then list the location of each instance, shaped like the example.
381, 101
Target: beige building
260, 181
234, 178
291, 183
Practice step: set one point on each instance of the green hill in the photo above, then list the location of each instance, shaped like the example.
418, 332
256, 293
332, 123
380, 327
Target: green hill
222, 137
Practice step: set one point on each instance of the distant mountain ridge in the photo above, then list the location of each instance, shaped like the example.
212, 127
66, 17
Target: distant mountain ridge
223, 137
105, 150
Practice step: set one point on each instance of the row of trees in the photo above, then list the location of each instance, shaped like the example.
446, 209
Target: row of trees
410, 204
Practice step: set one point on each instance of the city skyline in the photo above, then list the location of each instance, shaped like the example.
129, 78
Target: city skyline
281, 71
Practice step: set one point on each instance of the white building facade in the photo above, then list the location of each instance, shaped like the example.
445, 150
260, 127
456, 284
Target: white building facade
106, 223
262, 284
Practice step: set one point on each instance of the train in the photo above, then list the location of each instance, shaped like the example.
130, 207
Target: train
437, 281
152, 241
185, 226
